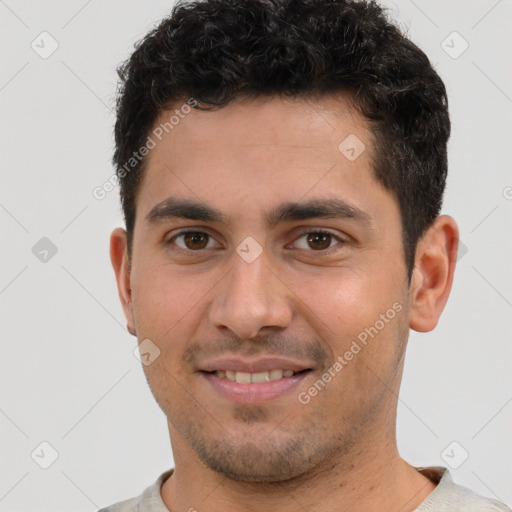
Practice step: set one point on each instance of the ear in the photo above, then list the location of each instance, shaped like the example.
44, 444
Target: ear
121, 264
436, 257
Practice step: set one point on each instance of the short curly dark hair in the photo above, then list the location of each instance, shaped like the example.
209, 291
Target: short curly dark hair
218, 50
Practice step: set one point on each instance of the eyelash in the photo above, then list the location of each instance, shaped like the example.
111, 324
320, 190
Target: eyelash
340, 240
183, 233
329, 250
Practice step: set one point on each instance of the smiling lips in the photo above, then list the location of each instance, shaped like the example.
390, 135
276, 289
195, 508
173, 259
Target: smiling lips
245, 371
247, 378
253, 381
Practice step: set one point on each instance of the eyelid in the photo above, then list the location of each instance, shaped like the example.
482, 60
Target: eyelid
171, 237
338, 237
341, 238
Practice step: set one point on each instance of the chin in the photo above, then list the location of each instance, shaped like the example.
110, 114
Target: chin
273, 460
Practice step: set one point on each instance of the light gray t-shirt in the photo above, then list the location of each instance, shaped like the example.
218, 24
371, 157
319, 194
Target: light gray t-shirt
446, 497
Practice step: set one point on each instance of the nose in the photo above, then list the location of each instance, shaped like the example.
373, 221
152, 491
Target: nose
251, 298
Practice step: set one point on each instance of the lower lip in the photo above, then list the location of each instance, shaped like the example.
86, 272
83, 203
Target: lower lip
254, 392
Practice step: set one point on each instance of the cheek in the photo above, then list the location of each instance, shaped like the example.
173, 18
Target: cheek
165, 301
366, 337
350, 306
346, 299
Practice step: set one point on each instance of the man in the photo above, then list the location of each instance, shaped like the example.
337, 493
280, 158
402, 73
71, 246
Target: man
282, 166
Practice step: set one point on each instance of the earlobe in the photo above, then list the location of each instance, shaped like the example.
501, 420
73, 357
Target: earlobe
121, 265
130, 321
436, 257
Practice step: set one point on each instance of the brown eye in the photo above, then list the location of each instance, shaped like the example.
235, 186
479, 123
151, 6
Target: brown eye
319, 241
195, 241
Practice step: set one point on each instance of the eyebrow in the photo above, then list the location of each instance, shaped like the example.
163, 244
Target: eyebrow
317, 208
173, 208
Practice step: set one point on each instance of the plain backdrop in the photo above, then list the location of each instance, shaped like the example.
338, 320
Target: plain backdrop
68, 374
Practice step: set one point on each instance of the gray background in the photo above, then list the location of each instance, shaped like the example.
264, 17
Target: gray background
68, 373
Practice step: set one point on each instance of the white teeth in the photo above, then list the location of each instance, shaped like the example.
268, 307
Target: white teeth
246, 377
259, 377
275, 374
243, 377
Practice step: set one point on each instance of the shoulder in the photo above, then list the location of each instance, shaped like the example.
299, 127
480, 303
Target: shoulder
149, 501
450, 497
130, 505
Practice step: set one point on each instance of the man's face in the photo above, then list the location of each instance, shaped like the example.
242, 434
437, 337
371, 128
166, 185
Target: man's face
261, 246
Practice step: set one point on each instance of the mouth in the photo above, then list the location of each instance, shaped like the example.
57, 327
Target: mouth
245, 387
255, 377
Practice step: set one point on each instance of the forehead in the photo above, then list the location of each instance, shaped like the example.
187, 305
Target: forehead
297, 126
266, 150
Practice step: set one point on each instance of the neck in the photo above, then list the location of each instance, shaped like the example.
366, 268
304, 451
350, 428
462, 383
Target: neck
371, 477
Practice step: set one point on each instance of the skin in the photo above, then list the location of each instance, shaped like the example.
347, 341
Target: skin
297, 299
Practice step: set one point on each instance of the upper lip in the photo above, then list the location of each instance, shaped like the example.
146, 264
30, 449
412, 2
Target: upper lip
261, 364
